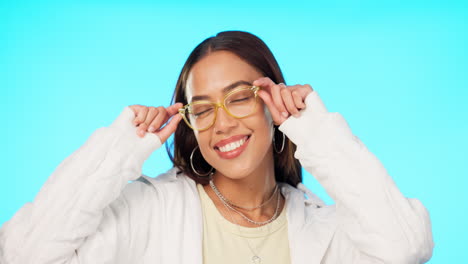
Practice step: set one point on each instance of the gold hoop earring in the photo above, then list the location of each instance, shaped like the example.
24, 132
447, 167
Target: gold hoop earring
201, 175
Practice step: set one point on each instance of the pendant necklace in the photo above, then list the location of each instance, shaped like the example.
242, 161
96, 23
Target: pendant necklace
255, 258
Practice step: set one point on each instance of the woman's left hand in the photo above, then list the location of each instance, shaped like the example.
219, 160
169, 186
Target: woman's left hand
282, 100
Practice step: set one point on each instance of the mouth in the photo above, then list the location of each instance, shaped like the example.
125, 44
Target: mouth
232, 147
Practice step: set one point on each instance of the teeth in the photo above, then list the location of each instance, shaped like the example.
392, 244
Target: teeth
232, 146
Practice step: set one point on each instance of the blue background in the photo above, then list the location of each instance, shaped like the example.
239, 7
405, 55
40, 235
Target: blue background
396, 72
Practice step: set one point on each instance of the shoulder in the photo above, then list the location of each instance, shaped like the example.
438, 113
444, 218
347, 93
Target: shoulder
166, 187
172, 178
307, 207
150, 188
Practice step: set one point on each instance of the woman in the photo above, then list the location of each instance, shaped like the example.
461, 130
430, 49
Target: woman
235, 193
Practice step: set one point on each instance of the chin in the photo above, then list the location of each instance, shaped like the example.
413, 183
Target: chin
235, 172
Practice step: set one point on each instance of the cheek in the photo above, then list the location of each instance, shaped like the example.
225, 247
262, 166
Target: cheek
269, 120
203, 140
266, 120
262, 125
268, 115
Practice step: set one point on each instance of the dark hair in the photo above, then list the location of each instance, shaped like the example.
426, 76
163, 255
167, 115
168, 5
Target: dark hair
255, 52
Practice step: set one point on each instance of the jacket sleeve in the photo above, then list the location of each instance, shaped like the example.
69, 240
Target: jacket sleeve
70, 220
376, 223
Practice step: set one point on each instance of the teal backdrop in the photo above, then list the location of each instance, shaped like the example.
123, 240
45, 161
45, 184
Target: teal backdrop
396, 71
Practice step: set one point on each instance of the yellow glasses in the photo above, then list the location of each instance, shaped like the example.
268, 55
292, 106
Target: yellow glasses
239, 103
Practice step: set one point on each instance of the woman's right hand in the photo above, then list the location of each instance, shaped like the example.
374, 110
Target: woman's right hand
155, 120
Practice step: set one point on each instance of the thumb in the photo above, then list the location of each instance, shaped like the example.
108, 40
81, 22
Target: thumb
173, 109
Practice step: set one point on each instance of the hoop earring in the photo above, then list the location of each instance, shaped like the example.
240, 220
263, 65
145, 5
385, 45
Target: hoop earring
282, 144
201, 175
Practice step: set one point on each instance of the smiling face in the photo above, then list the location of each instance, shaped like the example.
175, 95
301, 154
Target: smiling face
236, 148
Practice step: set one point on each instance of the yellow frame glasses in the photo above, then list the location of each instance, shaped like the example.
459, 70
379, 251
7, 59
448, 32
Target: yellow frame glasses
186, 107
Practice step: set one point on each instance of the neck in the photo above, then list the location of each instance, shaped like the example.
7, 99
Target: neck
250, 190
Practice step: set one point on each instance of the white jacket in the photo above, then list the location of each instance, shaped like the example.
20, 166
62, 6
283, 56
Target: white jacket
87, 212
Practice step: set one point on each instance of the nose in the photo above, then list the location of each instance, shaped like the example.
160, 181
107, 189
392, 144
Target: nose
224, 122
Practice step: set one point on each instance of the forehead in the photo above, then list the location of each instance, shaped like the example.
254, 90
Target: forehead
216, 71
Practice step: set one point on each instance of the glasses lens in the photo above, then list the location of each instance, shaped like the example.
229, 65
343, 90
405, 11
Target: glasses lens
200, 115
241, 103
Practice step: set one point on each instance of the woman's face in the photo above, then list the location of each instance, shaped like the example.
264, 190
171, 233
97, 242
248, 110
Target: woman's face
208, 78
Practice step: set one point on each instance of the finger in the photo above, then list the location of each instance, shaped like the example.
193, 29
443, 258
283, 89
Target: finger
262, 82
136, 108
152, 113
289, 102
145, 126
275, 114
167, 131
304, 90
265, 83
160, 119
165, 114
278, 99
274, 89
141, 115
299, 94
298, 99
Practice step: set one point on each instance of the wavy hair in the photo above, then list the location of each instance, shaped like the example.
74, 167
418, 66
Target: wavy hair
255, 52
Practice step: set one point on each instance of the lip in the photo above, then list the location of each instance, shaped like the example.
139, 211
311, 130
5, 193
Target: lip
233, 153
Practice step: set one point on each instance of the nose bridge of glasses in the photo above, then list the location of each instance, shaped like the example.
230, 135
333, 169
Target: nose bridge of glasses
222, 105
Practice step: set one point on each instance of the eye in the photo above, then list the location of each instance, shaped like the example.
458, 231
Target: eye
201, 110
239, 100
199, 114
240, 97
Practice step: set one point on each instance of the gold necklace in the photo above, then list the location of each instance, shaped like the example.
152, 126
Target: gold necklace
250, 208
255, 259
223, 200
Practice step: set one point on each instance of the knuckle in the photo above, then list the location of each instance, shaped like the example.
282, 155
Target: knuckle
142, 114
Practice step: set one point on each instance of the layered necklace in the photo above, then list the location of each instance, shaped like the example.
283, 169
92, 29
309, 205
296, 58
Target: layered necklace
230, 206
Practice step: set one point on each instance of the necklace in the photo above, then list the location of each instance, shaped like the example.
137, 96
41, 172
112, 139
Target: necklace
221, 197
250, 208
255, 258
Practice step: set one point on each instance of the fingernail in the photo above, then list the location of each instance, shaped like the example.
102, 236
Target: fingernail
297, 115
151, 129
141, 132
284, 114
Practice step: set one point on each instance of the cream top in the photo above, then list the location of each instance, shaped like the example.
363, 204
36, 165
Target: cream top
226, 242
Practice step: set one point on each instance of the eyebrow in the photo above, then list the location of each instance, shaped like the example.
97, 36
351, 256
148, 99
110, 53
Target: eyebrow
225, 90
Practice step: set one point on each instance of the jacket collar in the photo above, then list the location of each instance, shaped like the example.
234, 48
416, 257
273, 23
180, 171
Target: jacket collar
309, 232
310, 227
